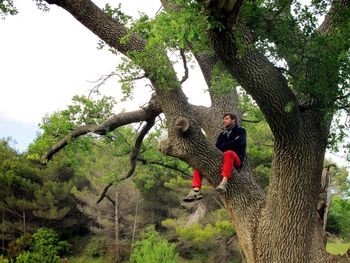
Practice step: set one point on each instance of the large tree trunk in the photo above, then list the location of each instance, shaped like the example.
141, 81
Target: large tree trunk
289, 228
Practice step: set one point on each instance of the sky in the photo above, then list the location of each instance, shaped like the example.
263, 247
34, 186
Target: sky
48, 57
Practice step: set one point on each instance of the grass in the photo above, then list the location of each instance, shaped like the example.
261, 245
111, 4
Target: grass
337, 247
85, 259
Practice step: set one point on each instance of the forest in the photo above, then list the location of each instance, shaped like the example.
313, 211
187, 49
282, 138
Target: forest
60, 203
103, 186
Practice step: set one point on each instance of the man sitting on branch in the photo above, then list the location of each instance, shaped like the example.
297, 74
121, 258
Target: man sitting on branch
232, 142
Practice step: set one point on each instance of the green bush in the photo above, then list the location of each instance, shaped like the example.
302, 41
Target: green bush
18, 246
45, 248
97, 247
199, 234
339, 217
33, 257
3, 260
153, 249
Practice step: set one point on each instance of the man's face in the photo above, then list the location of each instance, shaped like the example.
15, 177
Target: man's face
228, 121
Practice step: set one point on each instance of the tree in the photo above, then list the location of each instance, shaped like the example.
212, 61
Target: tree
339, 214
296, 71
7, 8
45, 247
32, 196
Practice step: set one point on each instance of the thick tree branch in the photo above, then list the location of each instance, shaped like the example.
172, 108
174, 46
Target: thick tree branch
116, 121
260, 78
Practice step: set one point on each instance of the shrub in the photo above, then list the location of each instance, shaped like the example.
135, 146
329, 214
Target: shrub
45, 248
18, 246
153, 249
97, 247
3, 260
339, 217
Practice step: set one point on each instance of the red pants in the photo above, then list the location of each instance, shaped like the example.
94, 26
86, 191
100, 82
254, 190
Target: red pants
230, 159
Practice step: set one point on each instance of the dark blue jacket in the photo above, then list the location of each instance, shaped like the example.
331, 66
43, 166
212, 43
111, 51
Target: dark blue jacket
235, 141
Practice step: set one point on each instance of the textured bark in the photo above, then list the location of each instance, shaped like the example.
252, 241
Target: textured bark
324, 201
287, 229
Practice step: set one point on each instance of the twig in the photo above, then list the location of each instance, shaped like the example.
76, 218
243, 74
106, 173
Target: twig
101, 80
251, 121
154, 162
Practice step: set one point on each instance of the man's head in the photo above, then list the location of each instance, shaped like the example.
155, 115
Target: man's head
229, 119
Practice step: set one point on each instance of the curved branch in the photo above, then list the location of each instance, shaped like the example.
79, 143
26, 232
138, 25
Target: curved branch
103, 193
133, 157
116, 121
136, 150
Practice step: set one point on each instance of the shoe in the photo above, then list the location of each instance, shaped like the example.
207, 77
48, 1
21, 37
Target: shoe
222, 187
192, 196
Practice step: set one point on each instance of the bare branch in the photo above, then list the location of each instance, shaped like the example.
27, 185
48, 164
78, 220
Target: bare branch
100, 81
110, 199
116, 121
136, 150
103, 193
252, 121
163, 164
185, 77
136, 78
133, 156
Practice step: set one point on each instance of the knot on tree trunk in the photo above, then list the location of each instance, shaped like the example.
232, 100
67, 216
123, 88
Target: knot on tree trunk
182, 124
165, 147
169, 147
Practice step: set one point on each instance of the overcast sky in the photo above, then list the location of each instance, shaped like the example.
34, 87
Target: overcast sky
47, 58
